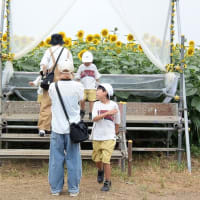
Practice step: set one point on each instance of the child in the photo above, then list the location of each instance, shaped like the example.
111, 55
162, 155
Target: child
89, 76
106, 118
36, 83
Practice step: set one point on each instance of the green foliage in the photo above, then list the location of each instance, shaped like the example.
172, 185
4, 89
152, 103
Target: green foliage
130, 60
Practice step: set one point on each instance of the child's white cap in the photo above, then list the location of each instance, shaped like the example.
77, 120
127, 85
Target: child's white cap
108, 87
65, 66
87, 57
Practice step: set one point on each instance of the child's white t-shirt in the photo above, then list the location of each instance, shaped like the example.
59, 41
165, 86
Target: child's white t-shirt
88, 75
104, 129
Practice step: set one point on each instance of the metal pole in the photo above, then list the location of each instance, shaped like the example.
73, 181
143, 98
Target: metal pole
1, 33
8, 11
172, 30
130, 158
183, 95
178, 20
165, 31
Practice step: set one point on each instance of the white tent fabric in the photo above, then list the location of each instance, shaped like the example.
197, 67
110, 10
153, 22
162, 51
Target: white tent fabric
34, 20
39, 18
151, 29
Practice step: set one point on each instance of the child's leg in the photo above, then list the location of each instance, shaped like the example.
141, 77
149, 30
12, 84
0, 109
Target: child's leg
82, 104
107, 171
99, 165
91, 103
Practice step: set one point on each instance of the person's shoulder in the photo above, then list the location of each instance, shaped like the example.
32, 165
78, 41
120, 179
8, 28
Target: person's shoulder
76, 83
97, 103
93, 65
81, 66
113, 103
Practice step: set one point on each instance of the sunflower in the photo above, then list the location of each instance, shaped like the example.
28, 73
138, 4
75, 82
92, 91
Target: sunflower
118, 44
4, 46
89, 38
80, 34
113, 38
62, 34
97, 36
4, 37
75, 43
104, 32
42, 43
95, 41
172, 32
130, 37
47, 41
140, 48
190, 51
80, 54
191, 43
118, 51
130, 45
92, 49
68, 42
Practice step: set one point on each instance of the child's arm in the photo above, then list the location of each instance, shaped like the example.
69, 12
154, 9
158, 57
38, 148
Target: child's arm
103, 115
117, 129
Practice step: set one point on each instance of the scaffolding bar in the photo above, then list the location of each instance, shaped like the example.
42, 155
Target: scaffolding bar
1, 33
183, 94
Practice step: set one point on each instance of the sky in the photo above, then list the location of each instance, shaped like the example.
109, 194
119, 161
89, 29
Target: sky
35, 17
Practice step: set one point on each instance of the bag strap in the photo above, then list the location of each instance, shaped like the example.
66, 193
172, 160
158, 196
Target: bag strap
57, 59
61, 101
53, 58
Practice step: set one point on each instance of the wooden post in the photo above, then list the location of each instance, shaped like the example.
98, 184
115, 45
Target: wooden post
130, 157
123, 146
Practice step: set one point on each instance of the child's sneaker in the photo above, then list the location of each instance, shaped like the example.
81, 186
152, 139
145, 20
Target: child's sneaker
100, 176
90, 116
73, 194
106, 186
82, 114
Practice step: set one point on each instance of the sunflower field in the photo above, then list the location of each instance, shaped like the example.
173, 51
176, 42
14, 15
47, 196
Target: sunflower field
113, 56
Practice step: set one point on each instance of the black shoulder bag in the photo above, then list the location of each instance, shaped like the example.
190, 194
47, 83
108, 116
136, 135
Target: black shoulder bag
48, 78
78, 131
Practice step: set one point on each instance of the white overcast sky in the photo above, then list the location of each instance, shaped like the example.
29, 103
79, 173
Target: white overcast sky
93, 15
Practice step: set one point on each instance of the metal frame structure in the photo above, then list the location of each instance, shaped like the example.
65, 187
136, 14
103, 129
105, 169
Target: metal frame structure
182, 104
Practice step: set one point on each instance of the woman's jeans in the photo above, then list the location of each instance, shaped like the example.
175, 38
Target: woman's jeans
62, 151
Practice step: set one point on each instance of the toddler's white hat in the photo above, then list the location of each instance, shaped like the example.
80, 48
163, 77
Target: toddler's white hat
65, 66
87, 57
108, 87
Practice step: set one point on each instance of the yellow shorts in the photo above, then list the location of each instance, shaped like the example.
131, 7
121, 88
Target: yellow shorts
39, 97
90, 95
102, 150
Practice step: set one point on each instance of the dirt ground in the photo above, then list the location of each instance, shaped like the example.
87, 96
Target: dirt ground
153, 178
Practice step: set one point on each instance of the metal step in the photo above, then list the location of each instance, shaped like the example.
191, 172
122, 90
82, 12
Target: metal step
156, 149
28, 137
44, 154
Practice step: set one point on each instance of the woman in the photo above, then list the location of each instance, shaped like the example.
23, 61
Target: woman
46, 65
62, 149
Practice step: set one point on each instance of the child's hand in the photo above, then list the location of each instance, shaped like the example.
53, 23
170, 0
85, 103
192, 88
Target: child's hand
31, 83
112, 112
